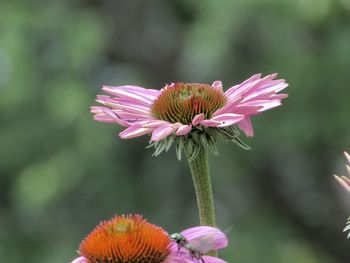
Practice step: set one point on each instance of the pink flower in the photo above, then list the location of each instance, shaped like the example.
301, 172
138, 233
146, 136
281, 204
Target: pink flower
181, 108
343, 180
132, 239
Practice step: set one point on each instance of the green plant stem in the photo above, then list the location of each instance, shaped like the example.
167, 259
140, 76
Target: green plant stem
202, 184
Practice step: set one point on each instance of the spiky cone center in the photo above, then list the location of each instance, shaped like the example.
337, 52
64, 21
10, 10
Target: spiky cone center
181, 102
126, 239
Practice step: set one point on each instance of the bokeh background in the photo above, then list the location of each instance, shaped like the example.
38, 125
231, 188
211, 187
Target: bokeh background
61, 172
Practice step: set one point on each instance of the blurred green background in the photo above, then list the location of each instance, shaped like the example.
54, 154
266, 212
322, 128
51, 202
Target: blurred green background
61, 172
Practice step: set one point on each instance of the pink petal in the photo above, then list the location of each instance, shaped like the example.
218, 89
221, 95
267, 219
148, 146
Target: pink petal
115, 103
153, 123
163, 131
206, 238
134, 131
80, 260
250, 89
131, 117
103, 118
105, 114
247, 127
247, 110
151, 93
347, 156
183, 130
279, 96
129, 108
119, 92
210, 123
197, 119
229, 107
343, 181
252, 78
224, 120
217, 85
209, 259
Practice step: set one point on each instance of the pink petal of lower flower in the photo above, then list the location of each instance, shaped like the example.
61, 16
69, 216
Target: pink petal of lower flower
217, 85
80, 260
209, 259
197, 119
134, 131
247, 127
161, 132
206, 238
183, 130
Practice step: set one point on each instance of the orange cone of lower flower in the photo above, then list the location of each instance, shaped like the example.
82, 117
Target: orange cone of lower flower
126, 239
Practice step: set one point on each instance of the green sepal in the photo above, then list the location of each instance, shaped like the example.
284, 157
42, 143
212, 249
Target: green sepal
241, 144
200, 137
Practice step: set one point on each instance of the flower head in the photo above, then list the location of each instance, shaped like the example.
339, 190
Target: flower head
189, 111
131, 238
343, 180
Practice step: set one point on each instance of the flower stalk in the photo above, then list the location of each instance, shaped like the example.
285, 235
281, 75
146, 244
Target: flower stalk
202, 183
199, 167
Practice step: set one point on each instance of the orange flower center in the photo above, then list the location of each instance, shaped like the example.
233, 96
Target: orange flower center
181, 102
126, 239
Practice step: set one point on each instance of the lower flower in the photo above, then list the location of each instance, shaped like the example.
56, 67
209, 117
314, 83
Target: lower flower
130, 239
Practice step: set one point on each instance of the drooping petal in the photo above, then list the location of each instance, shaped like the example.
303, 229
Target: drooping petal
134, 131
183, 130
163, 131
80, 260
246, 126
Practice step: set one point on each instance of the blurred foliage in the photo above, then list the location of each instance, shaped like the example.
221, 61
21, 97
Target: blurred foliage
61, 173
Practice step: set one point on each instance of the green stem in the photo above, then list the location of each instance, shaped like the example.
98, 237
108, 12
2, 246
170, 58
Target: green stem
202, 184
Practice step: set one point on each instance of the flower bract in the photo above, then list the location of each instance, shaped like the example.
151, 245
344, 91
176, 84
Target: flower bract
130, 239
196, 112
